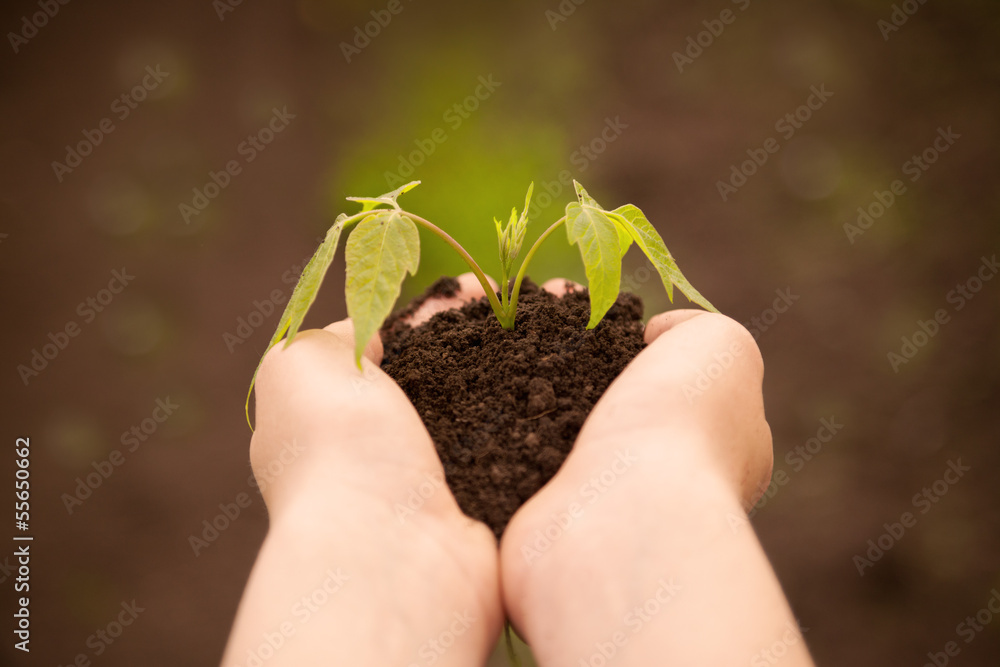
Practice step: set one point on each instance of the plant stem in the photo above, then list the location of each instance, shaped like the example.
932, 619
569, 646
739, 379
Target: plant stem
504, 280
511, 653
498, 309
512, 308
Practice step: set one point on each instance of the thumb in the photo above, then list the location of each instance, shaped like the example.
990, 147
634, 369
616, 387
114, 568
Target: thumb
344, 330
314, 380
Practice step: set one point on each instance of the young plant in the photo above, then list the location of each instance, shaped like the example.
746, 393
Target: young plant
385, 246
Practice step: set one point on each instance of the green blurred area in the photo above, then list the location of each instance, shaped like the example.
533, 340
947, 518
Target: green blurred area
493, 146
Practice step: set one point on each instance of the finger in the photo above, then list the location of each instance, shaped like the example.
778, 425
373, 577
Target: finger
344, 331
659, 324
683, 343
312, 394
559, 286
318, 365
469, 289
696, 359
315, 386
704, 371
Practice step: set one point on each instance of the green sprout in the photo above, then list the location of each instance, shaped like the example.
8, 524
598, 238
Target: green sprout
385, 247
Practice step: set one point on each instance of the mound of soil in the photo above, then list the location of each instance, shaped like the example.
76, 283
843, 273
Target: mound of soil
504, 407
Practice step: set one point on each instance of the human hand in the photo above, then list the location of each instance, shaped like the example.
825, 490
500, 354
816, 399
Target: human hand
637, 549
700, 379
337, 454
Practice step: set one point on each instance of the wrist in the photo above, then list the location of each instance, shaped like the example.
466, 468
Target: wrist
425, 582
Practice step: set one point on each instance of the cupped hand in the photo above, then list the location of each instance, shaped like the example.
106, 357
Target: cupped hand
353, 485
353, 425
699, 377
646, 513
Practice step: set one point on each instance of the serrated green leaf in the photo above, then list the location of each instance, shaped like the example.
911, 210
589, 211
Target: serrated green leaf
510, 237
503, 242
522, 222
380, 252
584, 197
389, 198
597, 236
303, 295
624, 237
510, 246
651, 243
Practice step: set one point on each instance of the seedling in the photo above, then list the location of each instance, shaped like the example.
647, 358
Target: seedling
385, 246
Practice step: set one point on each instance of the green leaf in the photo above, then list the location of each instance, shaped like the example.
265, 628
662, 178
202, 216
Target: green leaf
389, 198
510, 238
624, 237
303, 295
503, 243
649, 240
380, 252
585, 199
597, 236
522, 222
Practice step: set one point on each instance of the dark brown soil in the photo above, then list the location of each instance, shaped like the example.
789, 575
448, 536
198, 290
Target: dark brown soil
504, 407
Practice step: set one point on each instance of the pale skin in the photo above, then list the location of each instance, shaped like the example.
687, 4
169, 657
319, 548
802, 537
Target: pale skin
656, 563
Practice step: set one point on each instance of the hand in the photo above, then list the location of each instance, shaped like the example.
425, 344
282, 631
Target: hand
700, 377
339, 454
638, 548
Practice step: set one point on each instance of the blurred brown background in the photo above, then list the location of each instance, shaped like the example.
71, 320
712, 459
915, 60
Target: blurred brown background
219, 76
